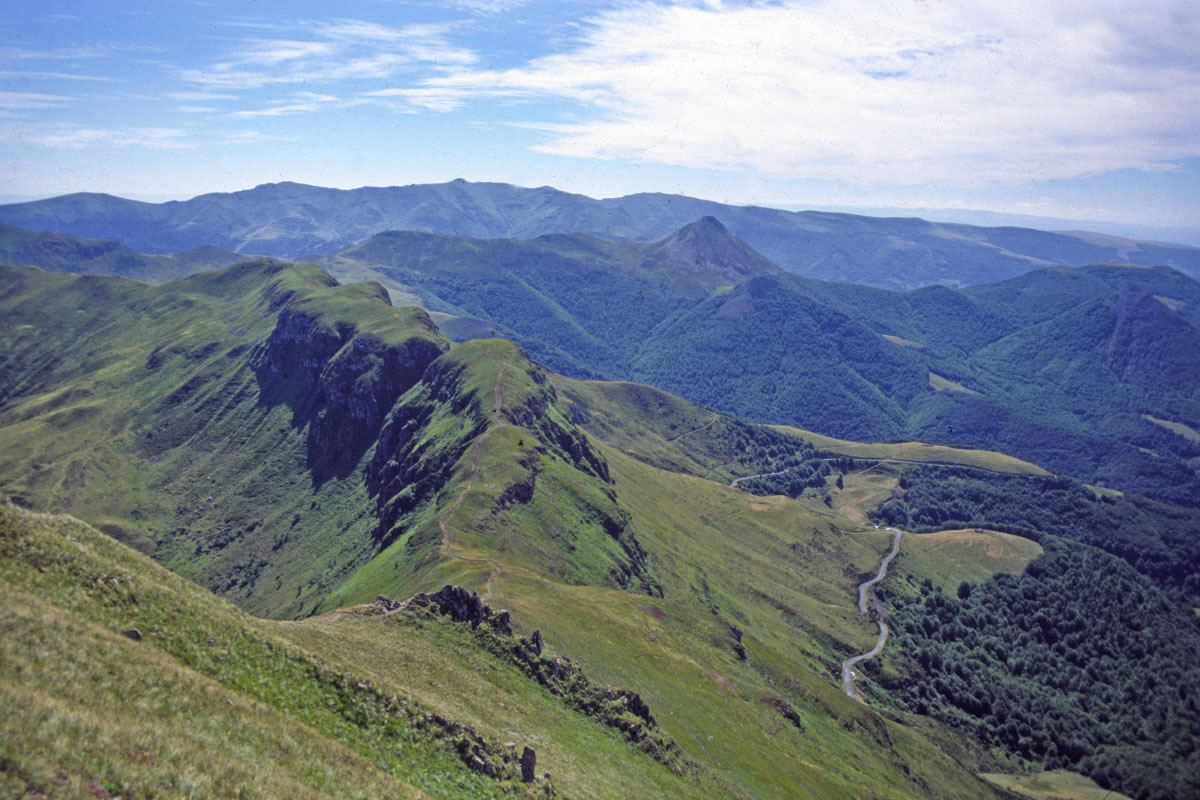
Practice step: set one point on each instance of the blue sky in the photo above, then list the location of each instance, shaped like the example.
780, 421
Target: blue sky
1078, 110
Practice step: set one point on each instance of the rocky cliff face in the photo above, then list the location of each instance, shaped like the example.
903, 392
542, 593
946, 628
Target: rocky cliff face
409, 467
338, 381
555, 430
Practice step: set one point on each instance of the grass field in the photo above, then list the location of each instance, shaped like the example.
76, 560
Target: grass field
918, 451
1186, 431
949, 557
1057, 784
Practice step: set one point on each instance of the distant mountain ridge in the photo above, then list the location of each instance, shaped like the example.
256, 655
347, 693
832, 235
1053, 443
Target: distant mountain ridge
292, 220
1089, 371
57, 252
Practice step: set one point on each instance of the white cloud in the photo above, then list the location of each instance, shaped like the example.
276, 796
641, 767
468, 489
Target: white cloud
318, 53
63, 76
488, 7
201, 96
73, 137
275, 111
433, 99
20, 101
301, 102
866, 92
251, 137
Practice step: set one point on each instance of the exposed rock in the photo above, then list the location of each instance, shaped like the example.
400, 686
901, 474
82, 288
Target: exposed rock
785, 709
618, 708
405, 471
462, 605
338, 381
387, 604
521, 491
132, 633
528, 765
738, 647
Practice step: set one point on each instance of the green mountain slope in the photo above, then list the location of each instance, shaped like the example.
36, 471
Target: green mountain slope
1065, 368
182, 418
330, 449
1017, 366
206, 699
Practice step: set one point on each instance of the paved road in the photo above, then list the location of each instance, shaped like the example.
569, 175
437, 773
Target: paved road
736, 481
863, 592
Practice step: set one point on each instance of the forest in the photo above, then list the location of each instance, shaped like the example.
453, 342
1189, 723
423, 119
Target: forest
1080, 663
1159, 540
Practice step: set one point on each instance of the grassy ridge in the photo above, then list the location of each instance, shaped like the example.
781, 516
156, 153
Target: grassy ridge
189, 420
918, 451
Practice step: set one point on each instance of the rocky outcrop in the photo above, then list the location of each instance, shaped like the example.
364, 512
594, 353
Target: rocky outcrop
555, 431
342, 384
528, 765
521, 491
785, 710
462, 605
619, 708
358, 387
636, 570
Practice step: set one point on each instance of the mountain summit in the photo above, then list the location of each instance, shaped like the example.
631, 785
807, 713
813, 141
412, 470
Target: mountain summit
707, 246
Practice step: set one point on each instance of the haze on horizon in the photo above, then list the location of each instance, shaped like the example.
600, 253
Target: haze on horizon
1083, 111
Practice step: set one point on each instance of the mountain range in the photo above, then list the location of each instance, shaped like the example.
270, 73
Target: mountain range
292, 220
422, 510
1090, 371
301, 447
1073, 369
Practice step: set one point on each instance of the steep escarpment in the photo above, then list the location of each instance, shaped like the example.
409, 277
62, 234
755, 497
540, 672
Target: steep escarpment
270, 433
339, 383
478, 458
218, 423
423, 438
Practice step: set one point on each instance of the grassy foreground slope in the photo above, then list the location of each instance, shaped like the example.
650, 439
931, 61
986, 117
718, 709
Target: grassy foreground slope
209, 701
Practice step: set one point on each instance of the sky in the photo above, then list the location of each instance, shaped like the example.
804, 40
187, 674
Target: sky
1075, 109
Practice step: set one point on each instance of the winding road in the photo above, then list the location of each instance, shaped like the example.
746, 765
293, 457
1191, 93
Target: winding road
863, 594
736, 481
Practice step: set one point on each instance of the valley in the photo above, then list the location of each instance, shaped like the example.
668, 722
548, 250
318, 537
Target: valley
655, 596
